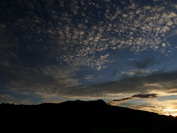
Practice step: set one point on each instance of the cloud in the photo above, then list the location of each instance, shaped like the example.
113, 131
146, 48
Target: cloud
89, 77
138, 27
144, 96
121, 100
84, 38
158, 105
160, 81
118, 101
63, 81
134, 72
49, 80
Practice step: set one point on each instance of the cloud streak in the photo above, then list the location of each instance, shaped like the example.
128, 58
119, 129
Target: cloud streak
164, 81
118, 101
144, 96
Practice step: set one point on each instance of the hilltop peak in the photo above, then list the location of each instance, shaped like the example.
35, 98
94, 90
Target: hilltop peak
87, 103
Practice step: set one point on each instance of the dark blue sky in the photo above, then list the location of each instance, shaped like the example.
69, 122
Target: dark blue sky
123, 52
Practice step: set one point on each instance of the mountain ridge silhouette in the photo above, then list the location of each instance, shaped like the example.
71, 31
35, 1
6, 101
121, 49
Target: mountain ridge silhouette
81, 117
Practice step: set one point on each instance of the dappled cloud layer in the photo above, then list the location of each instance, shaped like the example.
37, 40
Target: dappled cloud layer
80, 32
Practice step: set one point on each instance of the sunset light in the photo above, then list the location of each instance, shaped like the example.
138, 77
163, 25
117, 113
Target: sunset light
172, 112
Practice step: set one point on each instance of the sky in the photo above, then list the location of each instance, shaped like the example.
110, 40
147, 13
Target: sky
121, 51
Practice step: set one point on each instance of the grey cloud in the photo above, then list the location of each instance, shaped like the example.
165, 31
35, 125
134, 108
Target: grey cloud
165, 81
145, 96
119, 101
70, 86
51, 79
123, 99
136, 96
59, 80
134, 72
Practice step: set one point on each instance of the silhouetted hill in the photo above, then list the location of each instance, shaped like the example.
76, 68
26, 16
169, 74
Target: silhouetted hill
81, 117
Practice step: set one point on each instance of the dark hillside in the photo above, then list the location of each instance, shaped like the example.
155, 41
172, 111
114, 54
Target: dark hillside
81, 117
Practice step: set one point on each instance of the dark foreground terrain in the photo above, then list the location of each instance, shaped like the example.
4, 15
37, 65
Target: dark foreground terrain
81, 117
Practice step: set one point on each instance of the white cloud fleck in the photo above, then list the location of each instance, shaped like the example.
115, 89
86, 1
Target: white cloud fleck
89, 77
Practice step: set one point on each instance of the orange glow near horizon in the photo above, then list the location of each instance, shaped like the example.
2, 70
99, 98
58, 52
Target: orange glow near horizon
172, 112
